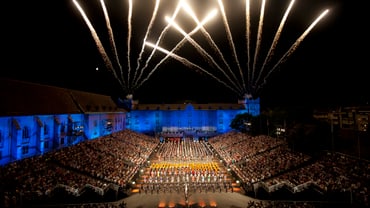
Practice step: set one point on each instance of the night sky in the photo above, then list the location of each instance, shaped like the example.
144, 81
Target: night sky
48, 42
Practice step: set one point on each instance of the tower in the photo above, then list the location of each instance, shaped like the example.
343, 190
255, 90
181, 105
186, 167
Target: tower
252, 105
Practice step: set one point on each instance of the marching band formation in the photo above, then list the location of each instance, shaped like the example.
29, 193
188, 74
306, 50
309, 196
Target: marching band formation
184, 164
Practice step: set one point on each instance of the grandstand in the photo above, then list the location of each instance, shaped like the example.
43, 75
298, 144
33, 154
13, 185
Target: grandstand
75, 151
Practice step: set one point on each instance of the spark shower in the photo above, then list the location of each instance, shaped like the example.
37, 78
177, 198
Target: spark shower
229, 41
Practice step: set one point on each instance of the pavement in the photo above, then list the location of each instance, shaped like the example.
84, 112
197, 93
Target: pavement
178, 200
231, 198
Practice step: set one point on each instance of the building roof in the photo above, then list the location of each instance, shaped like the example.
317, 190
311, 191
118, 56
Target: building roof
25, 98
90, 102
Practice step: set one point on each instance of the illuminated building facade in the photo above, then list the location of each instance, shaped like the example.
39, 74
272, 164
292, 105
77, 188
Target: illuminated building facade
185, 120
36, 119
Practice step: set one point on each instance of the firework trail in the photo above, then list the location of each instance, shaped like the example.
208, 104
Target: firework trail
230, 39
129, 18
212, 44
259, 38
237, 84
146, 36
188, 64
111, 36
178, 45
98, 43
248, 34
294, 46
275, 41
163, 33
204, 53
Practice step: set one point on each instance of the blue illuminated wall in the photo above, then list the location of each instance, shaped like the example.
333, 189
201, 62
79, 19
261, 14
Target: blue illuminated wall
252, 106
155, 121
26, 136
101, 124
31, 135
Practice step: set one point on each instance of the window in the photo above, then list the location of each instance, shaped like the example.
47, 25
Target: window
75, 128
108, 124
63, 128
46, 129
1, 139
25, 135
46, 144
25, 149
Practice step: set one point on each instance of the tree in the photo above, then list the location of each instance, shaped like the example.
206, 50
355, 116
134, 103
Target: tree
243, 122
309, 135
274, 118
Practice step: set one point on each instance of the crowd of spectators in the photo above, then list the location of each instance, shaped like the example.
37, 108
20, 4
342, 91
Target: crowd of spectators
95, 166
108, 165
268, 163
